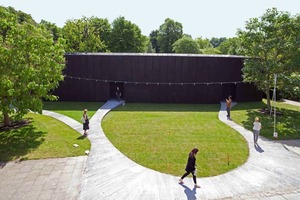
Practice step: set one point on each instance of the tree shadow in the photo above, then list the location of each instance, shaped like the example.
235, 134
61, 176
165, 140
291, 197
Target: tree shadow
16, 143
190, 194
287, 123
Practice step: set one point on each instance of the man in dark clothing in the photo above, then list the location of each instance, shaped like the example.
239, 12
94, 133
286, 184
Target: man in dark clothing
118, 94
191, 167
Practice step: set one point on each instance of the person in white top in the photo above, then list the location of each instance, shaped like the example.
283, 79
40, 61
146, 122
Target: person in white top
256, 129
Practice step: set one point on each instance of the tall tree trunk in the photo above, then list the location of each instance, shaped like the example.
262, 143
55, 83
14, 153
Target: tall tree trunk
268, 99
6, 119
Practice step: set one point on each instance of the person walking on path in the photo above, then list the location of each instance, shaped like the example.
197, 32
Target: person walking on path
256, 129
228, 106
118, 94
85, 121
191, 167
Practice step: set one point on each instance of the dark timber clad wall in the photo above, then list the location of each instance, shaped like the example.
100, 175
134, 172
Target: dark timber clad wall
154, 78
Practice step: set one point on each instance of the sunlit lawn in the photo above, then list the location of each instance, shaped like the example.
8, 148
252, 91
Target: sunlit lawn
287, 124
160, 136
73, 109
45, 137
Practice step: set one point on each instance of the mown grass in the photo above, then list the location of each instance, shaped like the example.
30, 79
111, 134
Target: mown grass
287, 124
160, 136
44, 137
73, 109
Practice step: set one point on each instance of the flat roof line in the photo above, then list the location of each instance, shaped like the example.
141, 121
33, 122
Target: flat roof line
157, 54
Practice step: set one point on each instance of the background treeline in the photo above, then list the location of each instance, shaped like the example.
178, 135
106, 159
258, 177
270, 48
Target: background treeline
271, 44
99, 35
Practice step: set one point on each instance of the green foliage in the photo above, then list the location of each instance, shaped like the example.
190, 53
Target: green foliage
52, 29
203, 43
211, 51
215, 42
30, 66
84, 35
127, 37
154, 42
169, 32
160, 136
186, 45
230, 46
272, 43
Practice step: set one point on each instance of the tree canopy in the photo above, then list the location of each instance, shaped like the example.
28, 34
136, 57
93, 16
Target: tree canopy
168, 33
127, 37
272, 44
31, 65
83, 35
186, 45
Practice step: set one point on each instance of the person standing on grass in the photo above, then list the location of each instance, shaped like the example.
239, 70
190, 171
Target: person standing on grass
228, 106
256, 129
191, 167
85, 121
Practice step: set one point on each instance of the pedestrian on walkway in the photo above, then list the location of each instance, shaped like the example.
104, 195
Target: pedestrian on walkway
228, 106
256, 129
118, 94
191, 167
85, 121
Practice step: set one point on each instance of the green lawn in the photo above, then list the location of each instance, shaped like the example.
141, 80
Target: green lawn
45, 137
160, 136
287, 126
73, 109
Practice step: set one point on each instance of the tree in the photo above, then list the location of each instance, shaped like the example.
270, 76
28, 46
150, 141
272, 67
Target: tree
169, 32
215, 42
54, 30
82, 35
153, 40
203, 43
186, 45
30, 66
230, 46
127, 37
102, 29
272, 43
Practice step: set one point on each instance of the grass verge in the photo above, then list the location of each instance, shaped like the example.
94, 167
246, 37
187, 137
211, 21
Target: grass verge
287, 124
44, 137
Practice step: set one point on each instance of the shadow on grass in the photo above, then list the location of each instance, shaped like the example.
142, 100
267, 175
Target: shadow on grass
16, 143
287, 124
81, 137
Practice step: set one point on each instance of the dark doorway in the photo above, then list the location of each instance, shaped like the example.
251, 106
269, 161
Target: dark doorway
113, 88
228, 89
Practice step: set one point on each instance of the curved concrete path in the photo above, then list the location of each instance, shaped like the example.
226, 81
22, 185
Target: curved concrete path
271, 172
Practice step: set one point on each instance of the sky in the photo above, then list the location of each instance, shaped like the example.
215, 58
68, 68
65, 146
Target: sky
199, 18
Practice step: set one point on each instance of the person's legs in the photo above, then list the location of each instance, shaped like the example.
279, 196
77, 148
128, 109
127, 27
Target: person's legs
184, 175
228, 112
195, 180
255, 136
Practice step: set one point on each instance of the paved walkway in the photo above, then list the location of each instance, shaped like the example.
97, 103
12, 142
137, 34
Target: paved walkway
271, 172
58, 178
